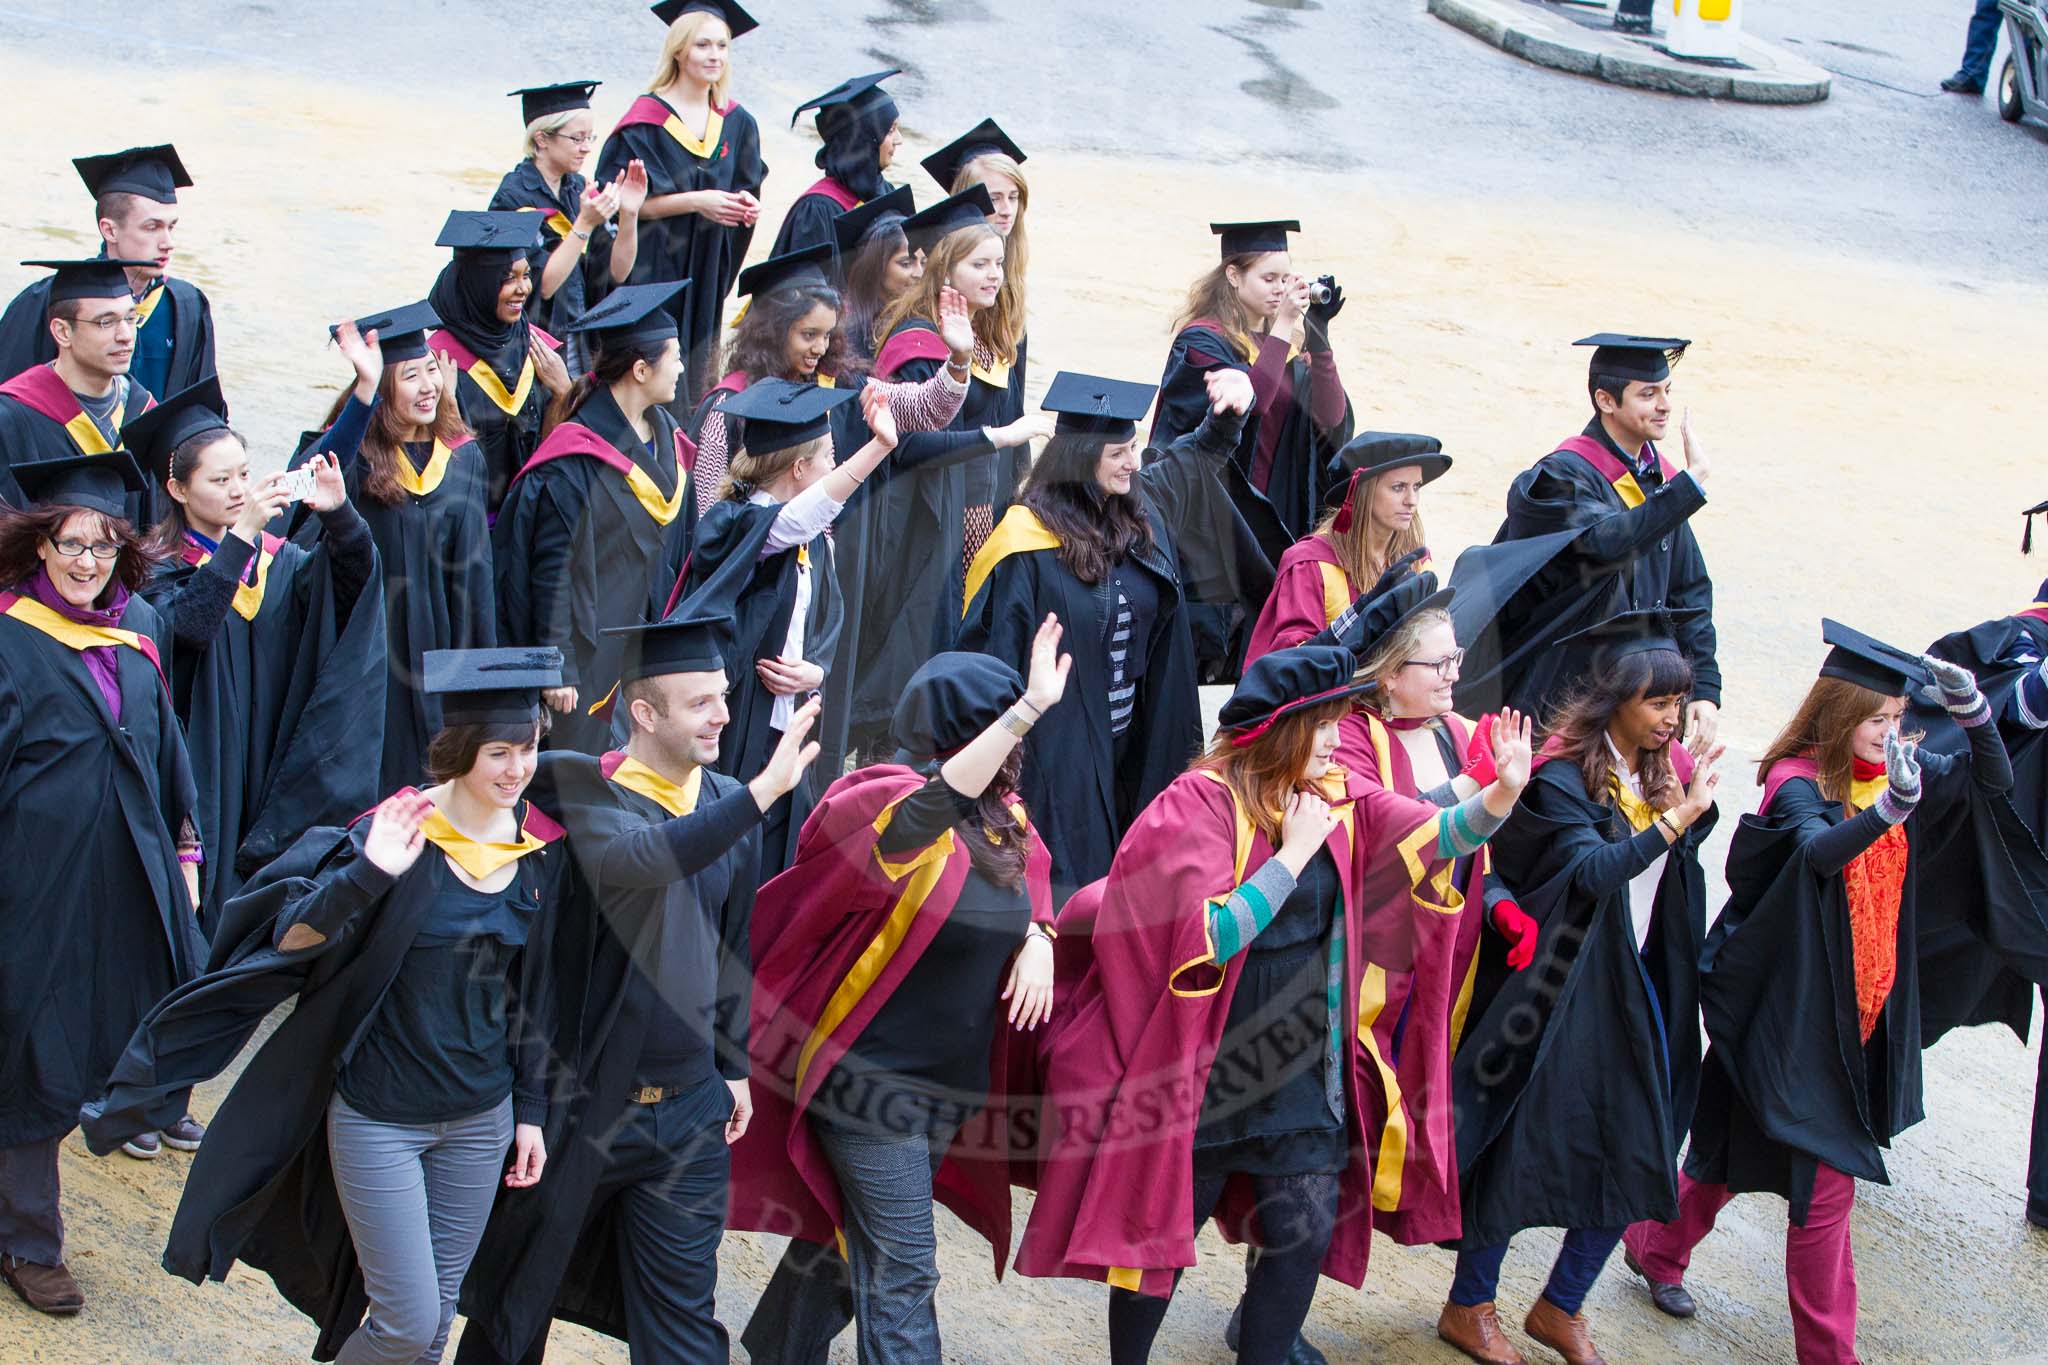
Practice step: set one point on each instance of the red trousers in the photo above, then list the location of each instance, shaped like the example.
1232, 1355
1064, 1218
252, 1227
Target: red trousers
1820, 1269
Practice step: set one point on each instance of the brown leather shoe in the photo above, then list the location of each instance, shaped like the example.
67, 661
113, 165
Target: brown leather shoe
46, 1288
1476, 1332
1565, 1333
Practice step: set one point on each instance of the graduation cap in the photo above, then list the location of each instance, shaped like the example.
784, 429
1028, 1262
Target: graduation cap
1285, 681
780, 413
850, 103
737, 20
99, 483
508, 231
539, 101
852, 229
1089, 405
1251, 239
981, 140
401, 332
98, 277
2027, 536
966, 209
155, 173
951, 699
806, 266
1644, 359
1373, 453
691, 640
153, 435
1394, 608
1857, 658
1634, 632
631, 312
490, 686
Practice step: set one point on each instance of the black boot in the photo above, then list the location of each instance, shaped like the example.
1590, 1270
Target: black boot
1301, 1353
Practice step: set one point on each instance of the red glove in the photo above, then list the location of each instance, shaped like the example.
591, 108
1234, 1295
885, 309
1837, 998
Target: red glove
1513, 924
1479, 753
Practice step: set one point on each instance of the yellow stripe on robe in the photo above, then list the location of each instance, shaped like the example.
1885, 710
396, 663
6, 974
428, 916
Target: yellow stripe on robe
479, 858
636, 776
1019, 532
69, 633
493, 387
663, 510
714, 128
86, 435
420, 482
1386, 1176
1337, 592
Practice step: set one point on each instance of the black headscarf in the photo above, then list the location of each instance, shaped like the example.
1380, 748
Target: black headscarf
465, 297
853, 136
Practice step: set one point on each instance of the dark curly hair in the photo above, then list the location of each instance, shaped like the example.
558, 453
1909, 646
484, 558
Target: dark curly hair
760, 344
1097, 530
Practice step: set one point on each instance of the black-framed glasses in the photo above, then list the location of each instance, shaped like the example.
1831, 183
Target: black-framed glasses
1443, 666
98, 549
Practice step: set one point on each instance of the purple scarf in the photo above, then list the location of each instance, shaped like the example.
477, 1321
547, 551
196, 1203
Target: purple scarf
99, 659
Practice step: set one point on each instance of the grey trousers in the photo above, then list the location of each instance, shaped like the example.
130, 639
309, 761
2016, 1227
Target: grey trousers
31, 1223
416, 1197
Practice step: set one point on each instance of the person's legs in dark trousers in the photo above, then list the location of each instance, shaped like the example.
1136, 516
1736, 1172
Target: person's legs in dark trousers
892, 1247
671, 1219
1477, 1277
1977, 49
808, 1302
31, 1221
1579, 1262
1134, 1318
1297, 1214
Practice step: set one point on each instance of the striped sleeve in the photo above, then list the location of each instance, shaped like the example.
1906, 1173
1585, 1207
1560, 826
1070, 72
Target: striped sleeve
1236, 919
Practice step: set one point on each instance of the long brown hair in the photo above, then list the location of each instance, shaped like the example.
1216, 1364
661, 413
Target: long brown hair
760, 344
1577, 729
1353, 544
1016, 246
1265, 772
167, 537
378, 454
997, 844
1096, 530
864, 301
1213, 297
19, 532
995, 326
1824, 728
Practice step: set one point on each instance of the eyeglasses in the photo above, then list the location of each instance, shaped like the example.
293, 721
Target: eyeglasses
107, 322
580, 139
99, 549
1444, 667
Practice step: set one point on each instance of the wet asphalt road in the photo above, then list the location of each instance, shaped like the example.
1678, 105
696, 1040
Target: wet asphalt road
1887, 168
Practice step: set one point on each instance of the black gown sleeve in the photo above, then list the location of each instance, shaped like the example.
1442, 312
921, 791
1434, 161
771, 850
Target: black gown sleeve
352, 551
198, 609
1690, 587
1555, 497
730, 1022
648, 857
923, 816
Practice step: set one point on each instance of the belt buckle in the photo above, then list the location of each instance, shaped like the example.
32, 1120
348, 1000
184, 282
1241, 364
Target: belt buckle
648, 1094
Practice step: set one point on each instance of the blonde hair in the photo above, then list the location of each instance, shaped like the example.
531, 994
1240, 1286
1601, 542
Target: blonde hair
1354, 544
1395, 649
746, 471
1016, 248
1214, 296
681, 35
995, 326
549, 124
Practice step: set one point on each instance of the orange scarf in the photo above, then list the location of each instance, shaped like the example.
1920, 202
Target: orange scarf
1875, 880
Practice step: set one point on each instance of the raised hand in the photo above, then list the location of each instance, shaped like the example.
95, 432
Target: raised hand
1320, 313
330, 490
363, 355
1695, 453
1031, 426
874, 410
631, 189
444, 375
600, 202
266, 498
956, 325
786, 766
1513, 749
1229, 390
1706, 779
1047, 682
394, 842
548, 365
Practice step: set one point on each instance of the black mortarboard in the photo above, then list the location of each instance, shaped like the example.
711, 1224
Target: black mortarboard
980, 140
96, 278
401, 332
806, 266
2027, 536
951, 699
692, 640
153, 435
1245, 239
1646, 360
1387, 613
155, 173
490, 686
1285, 681
965, 209
539, 101
737, 20
853, 227
510, 231
631, 312
848, 101
1634, 632
1099, 407
1375, 452
780, 413
99, 483
1857, 658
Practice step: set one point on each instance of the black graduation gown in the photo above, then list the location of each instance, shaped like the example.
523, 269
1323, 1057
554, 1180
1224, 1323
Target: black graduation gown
1789, 1080
504, 412
261, 1189
1573, 1088
549, 1252
95, 921
1082, 819
577, 553
25, 338
587, 281
1570, 554
808, 223
689, 246
281, 707
38, 419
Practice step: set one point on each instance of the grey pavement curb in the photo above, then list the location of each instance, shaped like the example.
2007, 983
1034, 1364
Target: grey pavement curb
1522, 30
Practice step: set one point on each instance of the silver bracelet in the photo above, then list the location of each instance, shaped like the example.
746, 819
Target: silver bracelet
1015, 723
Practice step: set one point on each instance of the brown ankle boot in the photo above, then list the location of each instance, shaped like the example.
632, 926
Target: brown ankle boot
1476, 1332
46, 1288
1565, 1333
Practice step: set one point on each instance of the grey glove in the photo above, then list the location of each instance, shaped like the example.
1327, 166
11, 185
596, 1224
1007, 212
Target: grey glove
1959, 694
1902, 778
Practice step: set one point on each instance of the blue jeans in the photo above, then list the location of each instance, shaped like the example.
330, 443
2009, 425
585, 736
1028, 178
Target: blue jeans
1983, 40
1578, 1264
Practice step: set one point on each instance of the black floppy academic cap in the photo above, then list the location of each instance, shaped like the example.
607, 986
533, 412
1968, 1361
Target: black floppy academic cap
1635, 632
1391, 610
737, 20
805, 266
982, 139
2027, 536
691, 640
849, 99
965, 209
1244, 239
780, 413
1095, 406
99, 483
490, 686
1644, 359
97, 277
509, 231
851, 228
153, 435
539, 101
155, 173
950, 700
401, 332
1375, 452
631, 312
1867, 662
1285, 681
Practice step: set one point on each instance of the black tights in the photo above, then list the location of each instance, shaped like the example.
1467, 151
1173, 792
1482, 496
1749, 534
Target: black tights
1297, 1214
